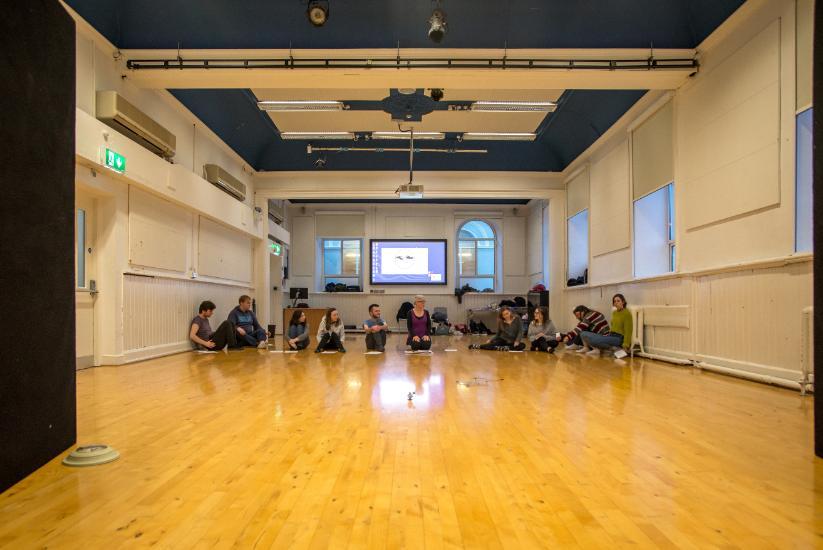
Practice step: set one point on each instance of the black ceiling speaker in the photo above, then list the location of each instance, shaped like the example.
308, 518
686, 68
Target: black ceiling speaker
318, 12
437, 26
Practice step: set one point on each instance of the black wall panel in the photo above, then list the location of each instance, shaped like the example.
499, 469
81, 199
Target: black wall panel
817, 169
37, 363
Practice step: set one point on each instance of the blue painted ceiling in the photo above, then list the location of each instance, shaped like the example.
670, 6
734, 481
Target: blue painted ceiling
138, 24
580, 118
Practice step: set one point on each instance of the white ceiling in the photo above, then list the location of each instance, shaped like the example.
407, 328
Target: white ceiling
438, 121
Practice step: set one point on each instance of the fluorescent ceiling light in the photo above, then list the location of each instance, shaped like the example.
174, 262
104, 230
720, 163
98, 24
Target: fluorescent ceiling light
513, 106
407, 135
317, 135
289, 105
499, 136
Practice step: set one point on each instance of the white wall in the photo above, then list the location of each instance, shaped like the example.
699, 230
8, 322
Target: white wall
734, 198
161, 220
421, 221
97, 70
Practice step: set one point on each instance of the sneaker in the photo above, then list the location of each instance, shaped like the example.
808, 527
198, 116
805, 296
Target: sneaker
318, 350
263, 345
582, 349
341, 349
474, 346
573, 347
620, 354
594, 353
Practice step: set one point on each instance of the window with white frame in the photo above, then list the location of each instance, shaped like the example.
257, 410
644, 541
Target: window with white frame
341, 261
476, 263
654, 233
803, 183
578, 247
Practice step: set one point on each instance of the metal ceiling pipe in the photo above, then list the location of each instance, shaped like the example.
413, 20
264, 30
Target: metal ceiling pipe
310, 149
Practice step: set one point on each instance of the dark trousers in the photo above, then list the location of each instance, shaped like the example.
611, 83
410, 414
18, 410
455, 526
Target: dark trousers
376, 340
498, 342
252, 337
420, 345
542, 344
329, 341
224, 335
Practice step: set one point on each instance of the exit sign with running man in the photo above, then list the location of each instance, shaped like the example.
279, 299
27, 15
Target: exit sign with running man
115, 161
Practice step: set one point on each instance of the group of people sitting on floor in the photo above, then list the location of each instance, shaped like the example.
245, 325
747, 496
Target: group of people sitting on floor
241, 328
592, 335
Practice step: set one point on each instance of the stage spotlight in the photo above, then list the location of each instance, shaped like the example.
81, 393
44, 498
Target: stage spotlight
318, 12
437, 94
438, 26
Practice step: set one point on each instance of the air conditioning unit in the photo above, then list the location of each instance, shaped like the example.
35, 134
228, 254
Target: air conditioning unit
277, 211
130, 121
225, 181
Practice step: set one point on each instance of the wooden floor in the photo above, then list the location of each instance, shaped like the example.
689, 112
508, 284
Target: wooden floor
261, 450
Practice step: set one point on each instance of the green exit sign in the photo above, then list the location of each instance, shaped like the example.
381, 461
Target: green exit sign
276, 249
115, 161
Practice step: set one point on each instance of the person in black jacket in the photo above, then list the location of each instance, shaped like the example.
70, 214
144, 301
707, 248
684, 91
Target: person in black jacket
419, 324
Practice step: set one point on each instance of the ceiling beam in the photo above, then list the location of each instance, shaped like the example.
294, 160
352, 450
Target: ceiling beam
471, 69
381, 184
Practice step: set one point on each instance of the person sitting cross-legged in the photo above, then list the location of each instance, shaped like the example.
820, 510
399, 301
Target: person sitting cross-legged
375, 328
249, 331
204, 338
542, 332
509, 333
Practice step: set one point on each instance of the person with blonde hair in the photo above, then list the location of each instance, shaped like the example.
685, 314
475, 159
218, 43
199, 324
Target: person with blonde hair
419, 325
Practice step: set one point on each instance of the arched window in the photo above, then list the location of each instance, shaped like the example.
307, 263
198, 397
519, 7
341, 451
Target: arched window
476, 261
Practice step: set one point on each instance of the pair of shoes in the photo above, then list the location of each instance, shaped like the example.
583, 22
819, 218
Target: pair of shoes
474, 346
572, 347
583, 349
594, 353
263, 345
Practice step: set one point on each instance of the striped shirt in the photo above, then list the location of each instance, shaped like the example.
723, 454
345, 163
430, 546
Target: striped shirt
593, 321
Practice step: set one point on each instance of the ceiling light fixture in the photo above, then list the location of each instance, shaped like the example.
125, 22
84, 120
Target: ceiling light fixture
300, 105
499, 136
316, 135
318, 12
407, 135
437, 26
514, 106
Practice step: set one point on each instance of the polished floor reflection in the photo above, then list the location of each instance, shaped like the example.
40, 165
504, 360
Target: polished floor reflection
258, 450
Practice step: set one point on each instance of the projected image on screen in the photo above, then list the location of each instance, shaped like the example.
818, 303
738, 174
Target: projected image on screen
408, 262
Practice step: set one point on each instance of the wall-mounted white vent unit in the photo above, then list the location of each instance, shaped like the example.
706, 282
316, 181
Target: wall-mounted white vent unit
277, 210
130, 121
225, 181
410, 191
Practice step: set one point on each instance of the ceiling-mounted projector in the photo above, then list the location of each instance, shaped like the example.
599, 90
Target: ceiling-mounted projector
410, 191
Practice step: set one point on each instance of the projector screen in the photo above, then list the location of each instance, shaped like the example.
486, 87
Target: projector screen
408, 262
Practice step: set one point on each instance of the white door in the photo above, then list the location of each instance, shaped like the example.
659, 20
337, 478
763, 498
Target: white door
85, 286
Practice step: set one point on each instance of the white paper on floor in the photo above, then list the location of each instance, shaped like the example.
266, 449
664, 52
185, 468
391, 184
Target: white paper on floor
204, 351
290, 351
420, 352
374, 353
516, 351
276, 351
449, 349
328, 352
